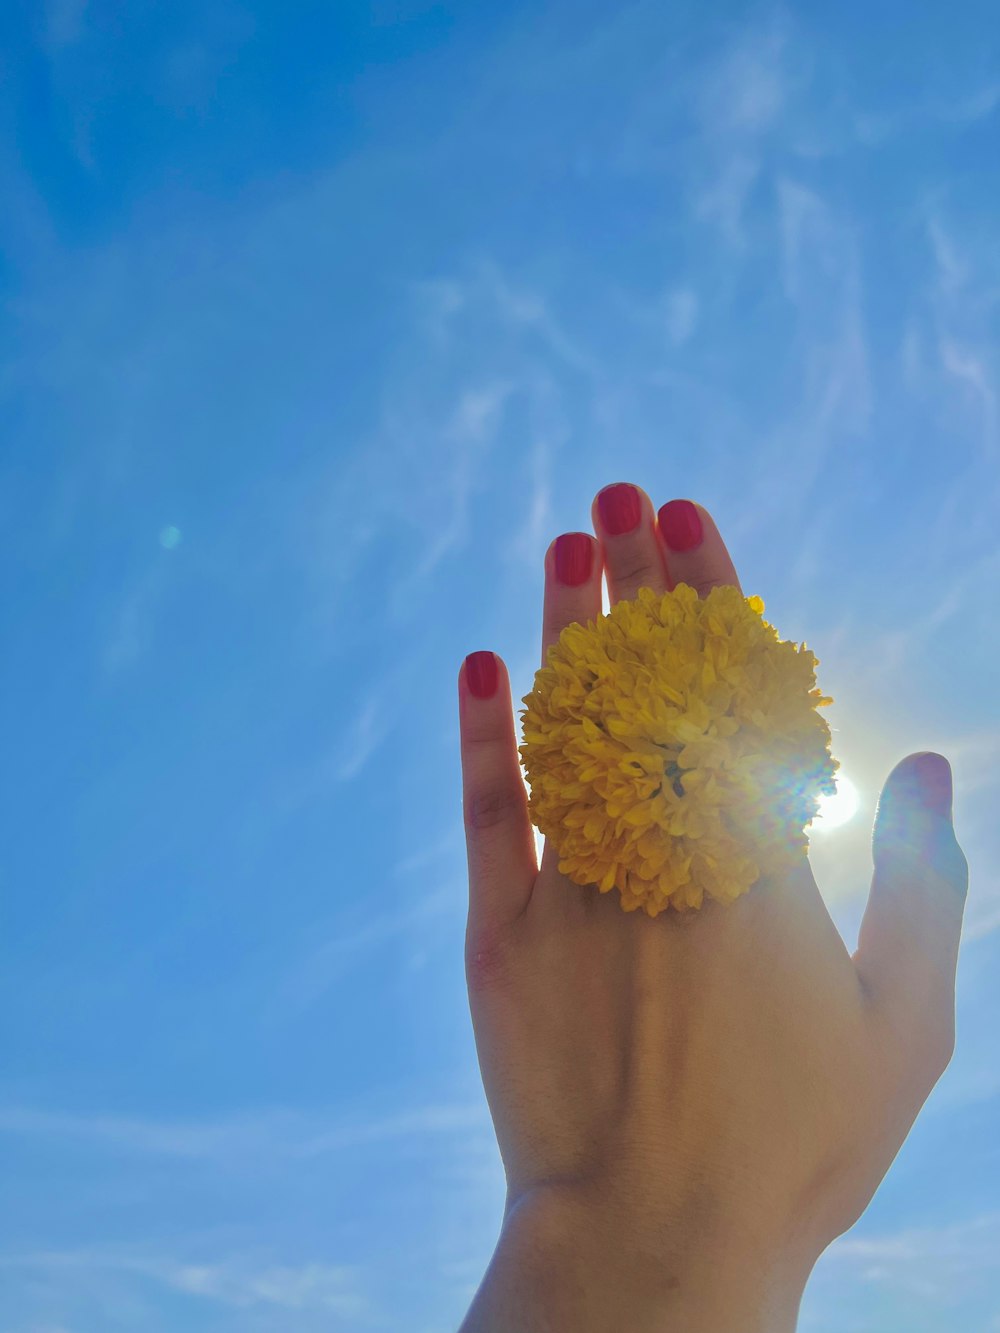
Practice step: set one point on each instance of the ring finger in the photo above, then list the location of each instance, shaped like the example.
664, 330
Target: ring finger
694, 551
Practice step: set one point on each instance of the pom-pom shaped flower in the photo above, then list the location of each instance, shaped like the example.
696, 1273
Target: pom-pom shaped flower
674, 750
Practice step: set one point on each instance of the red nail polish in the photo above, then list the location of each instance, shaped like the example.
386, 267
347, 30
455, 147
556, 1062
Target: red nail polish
680, 524
933, 774
620, 508
481, 675
574, 558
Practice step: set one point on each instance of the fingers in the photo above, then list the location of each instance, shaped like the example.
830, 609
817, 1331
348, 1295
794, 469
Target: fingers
572, 594
572, 585
498, 833
633, 557
908, 944
695, 554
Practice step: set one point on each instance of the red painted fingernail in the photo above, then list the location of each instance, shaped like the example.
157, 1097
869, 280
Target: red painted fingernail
481, 674
680, 524
574, 558
620, 508
933, 774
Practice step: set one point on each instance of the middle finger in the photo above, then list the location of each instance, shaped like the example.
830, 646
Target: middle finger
626, 527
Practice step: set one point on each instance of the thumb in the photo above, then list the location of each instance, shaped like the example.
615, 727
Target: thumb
908, 943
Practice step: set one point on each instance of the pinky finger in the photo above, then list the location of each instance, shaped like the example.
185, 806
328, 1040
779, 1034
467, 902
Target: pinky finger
498, 831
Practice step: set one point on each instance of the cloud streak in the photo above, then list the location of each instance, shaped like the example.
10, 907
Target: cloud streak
265, 1134
242, 1283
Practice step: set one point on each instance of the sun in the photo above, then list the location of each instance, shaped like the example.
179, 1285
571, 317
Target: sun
836, 809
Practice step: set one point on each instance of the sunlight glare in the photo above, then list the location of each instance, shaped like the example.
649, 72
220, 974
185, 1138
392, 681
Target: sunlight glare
836, 809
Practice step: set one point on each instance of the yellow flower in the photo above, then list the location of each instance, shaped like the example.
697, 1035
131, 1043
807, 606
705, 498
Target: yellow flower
673, 749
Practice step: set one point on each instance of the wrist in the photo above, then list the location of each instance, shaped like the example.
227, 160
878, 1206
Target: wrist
566, 1270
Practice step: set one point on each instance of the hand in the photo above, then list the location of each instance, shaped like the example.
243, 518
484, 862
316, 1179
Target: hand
689, 1108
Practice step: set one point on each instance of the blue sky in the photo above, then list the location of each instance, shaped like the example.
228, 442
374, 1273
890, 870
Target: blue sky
319, 322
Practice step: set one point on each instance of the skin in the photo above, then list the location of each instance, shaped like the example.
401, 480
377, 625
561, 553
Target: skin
690, 1108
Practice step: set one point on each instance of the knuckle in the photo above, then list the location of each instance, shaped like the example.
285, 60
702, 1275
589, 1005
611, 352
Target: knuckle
704, 586
940, 1046
639, 571
930, 1047
496, 805
710, 578
488, 960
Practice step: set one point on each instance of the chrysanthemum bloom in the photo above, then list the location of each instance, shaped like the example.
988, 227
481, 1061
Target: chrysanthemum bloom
674, 750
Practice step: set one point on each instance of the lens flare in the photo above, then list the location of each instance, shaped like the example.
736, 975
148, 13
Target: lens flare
836, 809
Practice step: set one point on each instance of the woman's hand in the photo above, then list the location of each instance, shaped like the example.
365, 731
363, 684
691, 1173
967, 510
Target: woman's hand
689, 1108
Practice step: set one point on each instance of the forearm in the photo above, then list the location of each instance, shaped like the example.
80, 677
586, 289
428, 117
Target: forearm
542, 1280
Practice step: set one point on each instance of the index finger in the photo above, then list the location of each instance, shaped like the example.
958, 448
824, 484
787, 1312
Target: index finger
572, 585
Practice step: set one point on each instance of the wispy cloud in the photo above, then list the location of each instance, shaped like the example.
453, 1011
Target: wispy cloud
460, 444
242, 1282
897, 643
739, 98
365, 732
422, 1122
236, 1136
131, 628
681, 311
266, 1135
972, 370
349, 944
64, 21
446, 845
723, 199
963, 107
964, 297
744, 92
925, 1261
833, 400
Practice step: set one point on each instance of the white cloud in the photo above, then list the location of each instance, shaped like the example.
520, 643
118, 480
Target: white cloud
546, 432
242, 1282
935, 1277
365, 732
963, 298
927, 1261
976, 105
446, 845
451, 455
193, 1139
971, 368
745, 92
681, 315
983, 919
912, 357
263, 1135
64, 21
740, 99
806, 235
348, 944
333, 1288
419, 1123
892, 646
723, 198
876, 129
952, 267
131, 631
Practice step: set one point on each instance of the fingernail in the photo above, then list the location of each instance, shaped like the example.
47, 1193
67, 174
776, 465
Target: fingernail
481, 674
933, 783
620, 508
680, 524
574, 558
